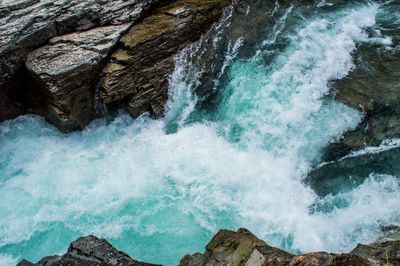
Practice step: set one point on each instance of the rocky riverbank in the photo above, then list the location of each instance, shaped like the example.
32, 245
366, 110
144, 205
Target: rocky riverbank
66, 59
234, 249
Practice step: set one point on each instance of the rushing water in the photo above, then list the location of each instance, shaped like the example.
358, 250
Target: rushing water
232, 154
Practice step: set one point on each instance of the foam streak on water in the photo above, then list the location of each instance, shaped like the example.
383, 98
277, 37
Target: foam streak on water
159, 196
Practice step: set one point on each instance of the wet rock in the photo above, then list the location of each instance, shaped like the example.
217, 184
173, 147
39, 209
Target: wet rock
390, 233
374, 85
350, 171
66, 70
28, 24
138, 71
52, 55
372, 88
382, 253
89, 251
371, 132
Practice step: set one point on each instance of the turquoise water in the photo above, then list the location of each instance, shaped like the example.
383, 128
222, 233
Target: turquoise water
159, 189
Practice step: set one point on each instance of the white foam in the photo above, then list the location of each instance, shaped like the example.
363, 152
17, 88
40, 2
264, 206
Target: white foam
6, 260
129, 179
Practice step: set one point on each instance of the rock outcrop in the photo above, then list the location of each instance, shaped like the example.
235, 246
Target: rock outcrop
138, 70
65, 71
243, 248
62, 59
28, 24
89, 251
240, 248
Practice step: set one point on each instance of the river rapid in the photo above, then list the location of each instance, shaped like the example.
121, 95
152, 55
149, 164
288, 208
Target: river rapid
249, 114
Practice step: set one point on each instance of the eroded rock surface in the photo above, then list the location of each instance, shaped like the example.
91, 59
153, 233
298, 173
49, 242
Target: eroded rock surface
53, 54
66, 71
241, 248
138, 71
28, 24
89, 251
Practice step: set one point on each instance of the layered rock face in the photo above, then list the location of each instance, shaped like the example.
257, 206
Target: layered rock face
28, 24
138, 70
240, 248
62, 58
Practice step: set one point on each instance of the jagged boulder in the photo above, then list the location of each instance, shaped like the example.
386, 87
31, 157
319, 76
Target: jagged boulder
66, 70
89, 251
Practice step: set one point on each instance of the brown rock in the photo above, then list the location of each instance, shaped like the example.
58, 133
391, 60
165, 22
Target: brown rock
243, 248
381, 253
238, 248
139, 69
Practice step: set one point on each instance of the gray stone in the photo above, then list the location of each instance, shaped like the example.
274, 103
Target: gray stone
89, 251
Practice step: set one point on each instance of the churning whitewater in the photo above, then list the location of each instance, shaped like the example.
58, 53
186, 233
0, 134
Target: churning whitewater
158, 189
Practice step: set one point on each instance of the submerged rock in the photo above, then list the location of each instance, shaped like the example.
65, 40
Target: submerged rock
89, 251
372, 88
350, 171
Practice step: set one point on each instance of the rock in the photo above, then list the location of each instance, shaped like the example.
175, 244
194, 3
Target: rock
53, 54
228, 248
89, 251
383, 253
372, 88
138, 70
66, 70
348, 172
28, 24
243, 248
371, 132
236, 248
390, 233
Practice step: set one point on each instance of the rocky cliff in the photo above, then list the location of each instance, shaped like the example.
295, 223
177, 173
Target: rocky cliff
233, 249
63, 59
